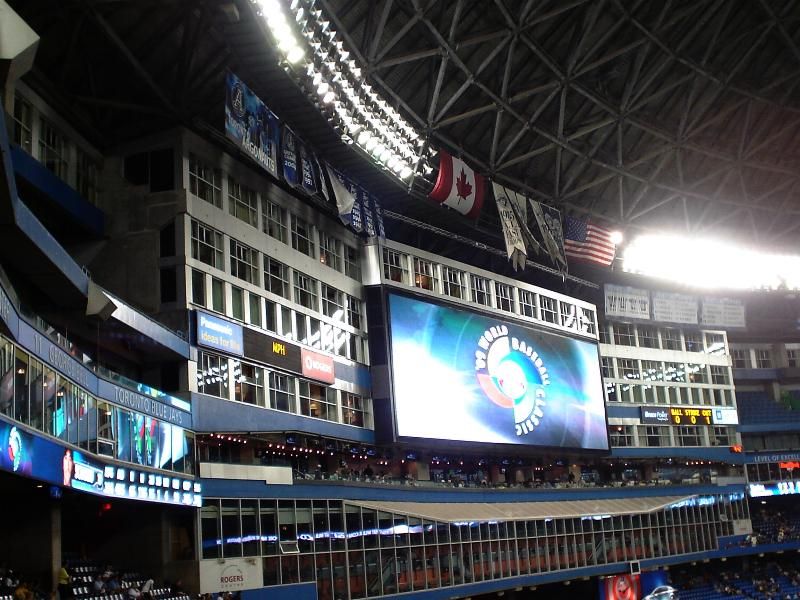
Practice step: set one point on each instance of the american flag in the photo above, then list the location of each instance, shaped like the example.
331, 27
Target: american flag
588, 242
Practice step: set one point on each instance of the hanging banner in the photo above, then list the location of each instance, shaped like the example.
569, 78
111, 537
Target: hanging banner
377, 211
357, 214
725, 313
627, 302
251, 125
458, 186
674, 308
307, 160
506, 201
549, 221
326, 178
342, 194
369, 217
289, 155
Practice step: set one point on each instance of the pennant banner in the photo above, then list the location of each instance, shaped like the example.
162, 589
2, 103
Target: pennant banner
343, 196
307, 160
508, 203
357, 214
251, 125
378, 212
289, 153
369, 218
325, 188
549, 222
458, 186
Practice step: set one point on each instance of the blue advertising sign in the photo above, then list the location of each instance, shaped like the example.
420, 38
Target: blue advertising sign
463, 376
251, 125
219, 334
31, 455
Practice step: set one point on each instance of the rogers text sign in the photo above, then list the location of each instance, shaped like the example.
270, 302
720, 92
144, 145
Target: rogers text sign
231, 575
317, 366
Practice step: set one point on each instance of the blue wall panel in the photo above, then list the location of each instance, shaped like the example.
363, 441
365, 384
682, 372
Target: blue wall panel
79, 209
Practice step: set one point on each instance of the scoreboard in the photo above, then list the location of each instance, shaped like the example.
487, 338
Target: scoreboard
684, 415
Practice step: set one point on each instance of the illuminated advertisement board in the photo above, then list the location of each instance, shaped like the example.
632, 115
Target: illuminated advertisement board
725, 416
650, 585
24, 453
683, 415
219, 334
779, 488
464, 376
654, 416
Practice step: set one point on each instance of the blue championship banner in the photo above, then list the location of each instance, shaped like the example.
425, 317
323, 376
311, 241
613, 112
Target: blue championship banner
251, 125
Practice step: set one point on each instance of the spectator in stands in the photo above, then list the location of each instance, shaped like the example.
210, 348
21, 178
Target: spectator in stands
10, 581
99, 585
23, 592
64, 581
134, 593
147, 590
112, 583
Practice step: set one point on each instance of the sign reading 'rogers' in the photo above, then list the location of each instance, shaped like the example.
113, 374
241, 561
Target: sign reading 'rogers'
317, 366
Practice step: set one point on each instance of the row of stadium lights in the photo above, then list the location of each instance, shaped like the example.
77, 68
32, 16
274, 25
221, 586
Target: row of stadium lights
315, 54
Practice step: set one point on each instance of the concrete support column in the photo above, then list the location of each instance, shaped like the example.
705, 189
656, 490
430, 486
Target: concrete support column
53, 553
18, 44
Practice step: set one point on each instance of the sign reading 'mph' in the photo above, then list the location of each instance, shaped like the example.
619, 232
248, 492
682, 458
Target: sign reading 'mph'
219, 334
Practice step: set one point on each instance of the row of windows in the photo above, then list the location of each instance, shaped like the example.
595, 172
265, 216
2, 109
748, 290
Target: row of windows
771, 472
664, 371
36, 395
47, 143
243, 305
279, 279
206, 183
462, 285
239, 380
357, 552
762, 358
665, 338
668, 395
625, 436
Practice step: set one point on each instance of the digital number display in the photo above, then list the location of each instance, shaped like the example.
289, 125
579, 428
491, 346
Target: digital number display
683, 415
781, 488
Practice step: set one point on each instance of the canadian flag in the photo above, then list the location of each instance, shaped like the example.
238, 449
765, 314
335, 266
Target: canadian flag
458, 186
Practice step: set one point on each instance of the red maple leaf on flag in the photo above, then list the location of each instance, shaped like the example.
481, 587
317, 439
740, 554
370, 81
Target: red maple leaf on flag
463, 187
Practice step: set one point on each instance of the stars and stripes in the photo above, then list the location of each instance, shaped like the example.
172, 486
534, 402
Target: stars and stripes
588, 242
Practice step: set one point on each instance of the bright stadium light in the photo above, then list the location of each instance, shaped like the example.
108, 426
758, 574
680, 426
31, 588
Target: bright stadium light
710, 263
616, 237
315, 52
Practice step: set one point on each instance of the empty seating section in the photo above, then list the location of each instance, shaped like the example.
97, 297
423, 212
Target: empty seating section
758, 407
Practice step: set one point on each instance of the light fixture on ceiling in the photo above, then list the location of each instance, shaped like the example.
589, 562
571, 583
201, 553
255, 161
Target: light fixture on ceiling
316, 55
708, 263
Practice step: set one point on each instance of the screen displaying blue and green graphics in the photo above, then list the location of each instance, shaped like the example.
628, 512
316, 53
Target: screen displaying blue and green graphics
463, 376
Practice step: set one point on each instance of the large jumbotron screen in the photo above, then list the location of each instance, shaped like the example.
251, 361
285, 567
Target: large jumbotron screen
464, 376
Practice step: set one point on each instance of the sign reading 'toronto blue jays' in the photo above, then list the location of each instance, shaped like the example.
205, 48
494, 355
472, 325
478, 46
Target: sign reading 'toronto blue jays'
219, 334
